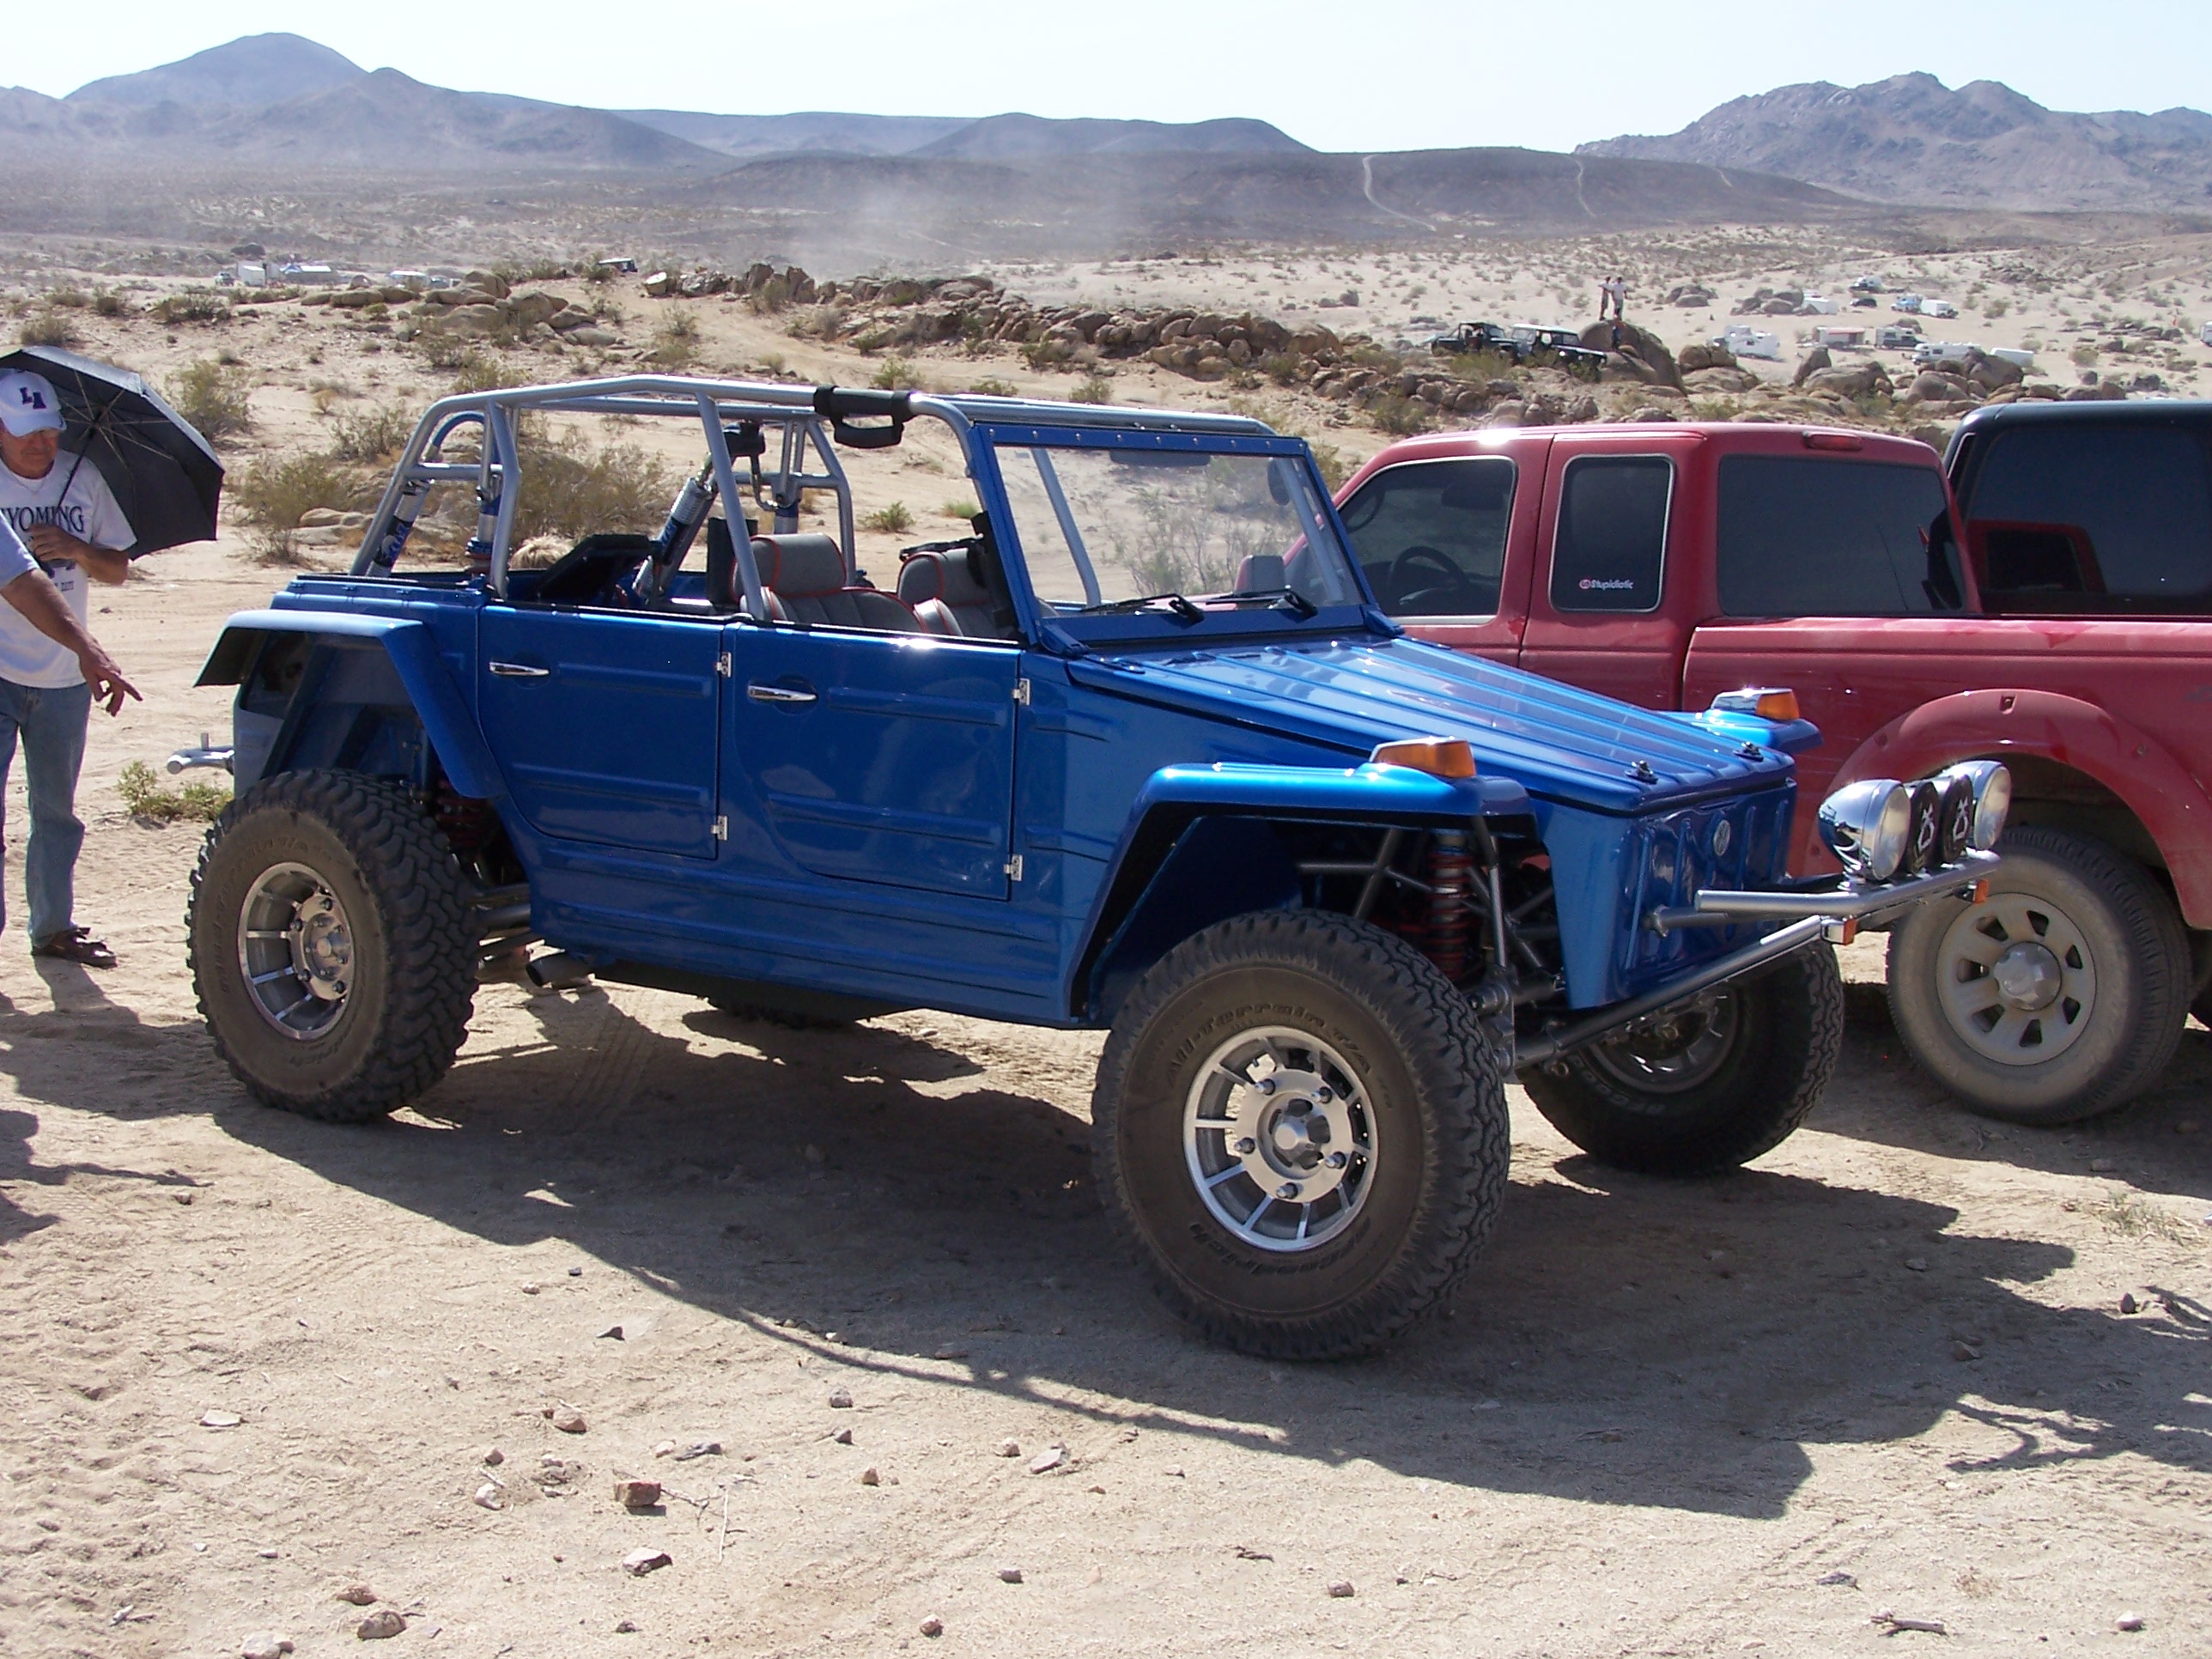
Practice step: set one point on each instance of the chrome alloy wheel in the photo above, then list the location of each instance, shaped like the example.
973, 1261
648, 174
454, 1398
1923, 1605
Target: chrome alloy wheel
1280, 1138
1675, 1052
2016, 979
295, 951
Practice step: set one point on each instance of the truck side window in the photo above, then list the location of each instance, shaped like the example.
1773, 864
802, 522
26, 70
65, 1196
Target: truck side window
1430, 535
1612, 542
2079, 518
1801, 537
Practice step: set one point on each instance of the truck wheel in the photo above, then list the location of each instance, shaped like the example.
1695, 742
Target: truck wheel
1300, 1129
1707, 1086
2061, 996
331, 945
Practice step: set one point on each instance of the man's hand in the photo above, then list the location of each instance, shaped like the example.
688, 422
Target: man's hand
105, 679
55, 545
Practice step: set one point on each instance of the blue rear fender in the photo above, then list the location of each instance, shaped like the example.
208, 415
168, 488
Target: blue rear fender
369, 690
1202, 844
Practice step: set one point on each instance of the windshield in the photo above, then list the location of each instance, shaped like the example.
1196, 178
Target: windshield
1101, 525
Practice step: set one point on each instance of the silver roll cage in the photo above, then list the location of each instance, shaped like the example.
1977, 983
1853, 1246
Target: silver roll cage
807, 441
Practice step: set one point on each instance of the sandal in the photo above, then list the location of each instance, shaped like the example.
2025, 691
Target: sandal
78, 946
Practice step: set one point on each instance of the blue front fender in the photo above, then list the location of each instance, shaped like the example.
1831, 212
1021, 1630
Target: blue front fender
438, 702
1196, 850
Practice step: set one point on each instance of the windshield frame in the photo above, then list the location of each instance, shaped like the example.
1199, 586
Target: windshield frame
1044, 623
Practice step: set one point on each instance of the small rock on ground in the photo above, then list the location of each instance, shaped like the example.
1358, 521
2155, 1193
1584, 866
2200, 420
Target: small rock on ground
840, 1401
262, 1645
637, 1494
932, 1626
2130, 1621
1341, 1588
1010, 1575
640, 1561
488, 1496
379, 1624
569, 1421
1048, 1460
870, 1478
360, 1595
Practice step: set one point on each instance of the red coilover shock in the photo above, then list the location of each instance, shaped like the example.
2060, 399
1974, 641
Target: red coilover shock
1452, 879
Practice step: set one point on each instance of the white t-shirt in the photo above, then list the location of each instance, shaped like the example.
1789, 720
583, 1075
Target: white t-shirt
90, 513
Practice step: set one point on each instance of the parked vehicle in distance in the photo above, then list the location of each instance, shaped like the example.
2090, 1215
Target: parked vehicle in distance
1826, 561
1138, 753
1908, 303
1867, 285
1938, 351
1818, 304
1897, 337
1865, 302
2013, 354
1521, 343
1938, 309
1746, 341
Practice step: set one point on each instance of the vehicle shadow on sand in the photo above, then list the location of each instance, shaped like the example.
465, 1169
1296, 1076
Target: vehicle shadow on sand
2159, 1143
1624, 1339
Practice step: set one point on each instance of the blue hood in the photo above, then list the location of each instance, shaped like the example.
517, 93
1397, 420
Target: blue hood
1561, 745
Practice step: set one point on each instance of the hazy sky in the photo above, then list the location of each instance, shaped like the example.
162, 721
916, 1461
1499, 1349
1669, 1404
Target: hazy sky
1383, 74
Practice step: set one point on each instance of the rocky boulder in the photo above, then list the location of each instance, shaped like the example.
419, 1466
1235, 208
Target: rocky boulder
1695, 295
1641, 352
1693, 358
1815, 360
1850, 382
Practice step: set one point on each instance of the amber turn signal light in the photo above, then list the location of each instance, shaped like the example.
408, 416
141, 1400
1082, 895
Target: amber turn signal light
1443, 757
1769, 703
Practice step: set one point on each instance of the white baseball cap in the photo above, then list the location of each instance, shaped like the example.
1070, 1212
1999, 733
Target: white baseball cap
28, 404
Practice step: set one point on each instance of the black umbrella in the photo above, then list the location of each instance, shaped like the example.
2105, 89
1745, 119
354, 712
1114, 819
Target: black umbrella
165, 479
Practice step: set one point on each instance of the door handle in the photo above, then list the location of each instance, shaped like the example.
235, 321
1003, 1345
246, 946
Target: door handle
786, 694
517, 671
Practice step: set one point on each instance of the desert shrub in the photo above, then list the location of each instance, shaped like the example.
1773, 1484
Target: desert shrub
1046, 353
480, 371
771, 296
1280, 367
1713, 408
595, 272
214, 397
1996, 307
1331, 463
991, 388
571, 486
1373, 356
66, 298
1095, 390
2085, 354
108, 303
271, 494
676, 342
48, 328
372, 437
819, 323
1479, 366
1400, 415
896, 375
194, 305
960, 509
145, 796
892, 521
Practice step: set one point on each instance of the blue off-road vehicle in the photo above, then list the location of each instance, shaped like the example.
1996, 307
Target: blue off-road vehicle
1138, 752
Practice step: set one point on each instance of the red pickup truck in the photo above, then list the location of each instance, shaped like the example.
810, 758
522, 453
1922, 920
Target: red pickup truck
2064, 632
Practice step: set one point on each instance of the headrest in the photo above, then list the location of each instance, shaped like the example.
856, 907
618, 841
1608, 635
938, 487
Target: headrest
1261, 573
799, 566
945, 574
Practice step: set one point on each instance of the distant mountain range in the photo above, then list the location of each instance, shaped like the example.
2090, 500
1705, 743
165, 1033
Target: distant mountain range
282, 99
1912, 139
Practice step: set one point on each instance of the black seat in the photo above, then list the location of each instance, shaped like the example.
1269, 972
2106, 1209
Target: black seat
950, 595
806, 583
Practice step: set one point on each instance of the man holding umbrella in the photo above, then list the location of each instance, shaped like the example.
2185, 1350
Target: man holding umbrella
58, 513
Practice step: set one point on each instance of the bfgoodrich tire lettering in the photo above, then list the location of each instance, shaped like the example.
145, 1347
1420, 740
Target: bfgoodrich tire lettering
1784, 1032
1429, 1072
410, 949
2108, 941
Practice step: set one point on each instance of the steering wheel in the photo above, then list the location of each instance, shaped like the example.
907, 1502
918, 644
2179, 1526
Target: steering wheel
1420, 557
600, 570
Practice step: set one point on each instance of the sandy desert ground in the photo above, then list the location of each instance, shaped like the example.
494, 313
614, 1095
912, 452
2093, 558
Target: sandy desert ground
1888, 1370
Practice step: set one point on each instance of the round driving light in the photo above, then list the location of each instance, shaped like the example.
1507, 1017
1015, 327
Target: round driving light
1991, 783
1954, 817
1865, 825
1923, 841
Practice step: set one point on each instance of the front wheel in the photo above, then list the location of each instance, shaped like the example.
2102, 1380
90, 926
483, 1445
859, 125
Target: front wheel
2063, 995
1300, 1127
331, 945
1708, 1085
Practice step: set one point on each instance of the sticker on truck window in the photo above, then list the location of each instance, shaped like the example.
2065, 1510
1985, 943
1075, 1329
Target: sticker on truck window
1610, 551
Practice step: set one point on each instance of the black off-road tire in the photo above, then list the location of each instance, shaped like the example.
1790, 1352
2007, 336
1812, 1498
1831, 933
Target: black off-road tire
413, 942
1788, 1033
1435, 1076
2143, 976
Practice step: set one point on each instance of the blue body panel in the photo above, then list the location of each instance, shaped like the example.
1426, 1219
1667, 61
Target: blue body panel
931, 821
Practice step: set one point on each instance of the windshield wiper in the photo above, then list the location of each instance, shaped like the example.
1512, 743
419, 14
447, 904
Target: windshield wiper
1288, 598
1184, 610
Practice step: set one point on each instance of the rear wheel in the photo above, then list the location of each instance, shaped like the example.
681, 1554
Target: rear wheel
1710, 1085
331, 945
2061, 996
1300, 1128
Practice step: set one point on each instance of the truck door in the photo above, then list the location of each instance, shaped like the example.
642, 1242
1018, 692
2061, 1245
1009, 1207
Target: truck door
604, 723
1834, 576
875, 758
1600, 611
1446, 544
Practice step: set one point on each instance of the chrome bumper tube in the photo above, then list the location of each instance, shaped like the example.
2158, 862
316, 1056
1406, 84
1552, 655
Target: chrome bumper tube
1816, 913
1849, 900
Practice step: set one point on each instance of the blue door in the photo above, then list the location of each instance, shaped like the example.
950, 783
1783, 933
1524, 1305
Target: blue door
605, 725
877, 758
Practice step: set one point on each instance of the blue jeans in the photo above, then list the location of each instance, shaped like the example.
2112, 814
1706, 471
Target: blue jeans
50, 724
